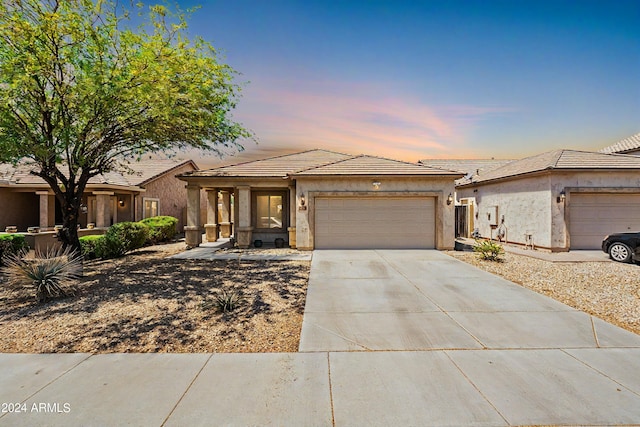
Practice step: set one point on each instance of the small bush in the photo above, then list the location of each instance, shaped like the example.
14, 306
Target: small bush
47, 275
89, 245
11, 244
161, 228
488, 250
224, 302
121, 238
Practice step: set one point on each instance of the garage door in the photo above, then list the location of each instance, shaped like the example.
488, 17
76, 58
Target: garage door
593, 216
374, 222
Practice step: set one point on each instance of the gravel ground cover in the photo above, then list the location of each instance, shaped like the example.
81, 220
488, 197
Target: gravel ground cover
607, 290
145, 302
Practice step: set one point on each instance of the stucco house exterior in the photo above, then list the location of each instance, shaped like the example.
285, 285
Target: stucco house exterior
558, 200
629, 146
151, 189
322, 199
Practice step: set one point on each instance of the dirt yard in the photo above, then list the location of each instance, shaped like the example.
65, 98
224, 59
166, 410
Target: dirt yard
145, 302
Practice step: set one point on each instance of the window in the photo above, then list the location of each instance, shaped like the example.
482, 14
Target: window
270, 211
151, 207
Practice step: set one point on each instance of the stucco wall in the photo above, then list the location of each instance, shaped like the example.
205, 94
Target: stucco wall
437, 187
530, 204
525, 204
172, 194
19, 209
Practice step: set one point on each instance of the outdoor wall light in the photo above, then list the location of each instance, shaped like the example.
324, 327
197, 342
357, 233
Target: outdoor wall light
449, 199
83, 208
562, 197
302, 200
376, 184
121, 202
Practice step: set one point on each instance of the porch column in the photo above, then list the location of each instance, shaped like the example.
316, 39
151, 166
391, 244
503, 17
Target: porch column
192, 233
211, 226
47, 212
244, 230
225, 219
293, 208
103, 208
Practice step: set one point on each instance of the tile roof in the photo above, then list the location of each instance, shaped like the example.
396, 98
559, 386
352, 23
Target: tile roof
628, 144
469, 167
279, 166
142, 172
558, 160
370, 165
319, 162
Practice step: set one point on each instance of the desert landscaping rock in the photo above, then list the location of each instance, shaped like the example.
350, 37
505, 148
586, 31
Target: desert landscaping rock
608, 290
145, 302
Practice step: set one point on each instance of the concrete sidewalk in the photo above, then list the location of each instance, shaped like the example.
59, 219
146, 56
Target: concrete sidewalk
428, 388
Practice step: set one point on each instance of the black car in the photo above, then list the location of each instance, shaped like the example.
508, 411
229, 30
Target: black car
622, 247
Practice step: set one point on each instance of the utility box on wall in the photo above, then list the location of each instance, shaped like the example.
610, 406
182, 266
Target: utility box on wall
492, 215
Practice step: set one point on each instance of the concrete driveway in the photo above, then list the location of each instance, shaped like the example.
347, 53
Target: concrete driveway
425, 300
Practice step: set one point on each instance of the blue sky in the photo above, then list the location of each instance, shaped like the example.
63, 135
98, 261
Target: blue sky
430, 79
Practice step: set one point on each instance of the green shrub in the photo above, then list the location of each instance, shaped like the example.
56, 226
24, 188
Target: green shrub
121, 238
89, 245
48, 274
488, 250
11, 244
161, 228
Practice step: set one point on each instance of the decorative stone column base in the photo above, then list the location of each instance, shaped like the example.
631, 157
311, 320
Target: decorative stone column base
292, 237
212, 232
243, 236
225, 229
192, 236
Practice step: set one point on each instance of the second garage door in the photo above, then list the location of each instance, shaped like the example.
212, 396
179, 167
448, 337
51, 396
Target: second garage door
593, 216
374, 222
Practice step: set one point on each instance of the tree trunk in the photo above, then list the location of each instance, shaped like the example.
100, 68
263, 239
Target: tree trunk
69, 233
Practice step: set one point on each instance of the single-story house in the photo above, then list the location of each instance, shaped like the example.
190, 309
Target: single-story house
322, 199
559, 200
629, 146
151, 189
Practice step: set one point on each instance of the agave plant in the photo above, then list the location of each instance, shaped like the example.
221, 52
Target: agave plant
48, 273
228, 301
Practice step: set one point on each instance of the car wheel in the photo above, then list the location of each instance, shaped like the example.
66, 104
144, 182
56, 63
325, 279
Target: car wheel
620, 252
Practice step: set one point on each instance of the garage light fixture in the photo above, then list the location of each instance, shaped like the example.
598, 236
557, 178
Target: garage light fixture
302, 200
376, 184
562, 197
121, 202
449, 199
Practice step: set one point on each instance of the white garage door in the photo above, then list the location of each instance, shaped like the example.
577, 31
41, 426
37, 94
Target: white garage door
593, 216
374, 222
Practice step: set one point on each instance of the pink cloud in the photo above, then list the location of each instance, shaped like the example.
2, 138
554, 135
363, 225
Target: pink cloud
356, 118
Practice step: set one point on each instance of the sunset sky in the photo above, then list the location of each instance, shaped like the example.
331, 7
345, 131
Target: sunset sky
430, 79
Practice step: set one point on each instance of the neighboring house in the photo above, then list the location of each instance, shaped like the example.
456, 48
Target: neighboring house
321, 199
629, 146
464, 216
151, 189
559, 200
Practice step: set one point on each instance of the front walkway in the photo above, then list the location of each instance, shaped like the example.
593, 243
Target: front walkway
212, 250
483, 352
